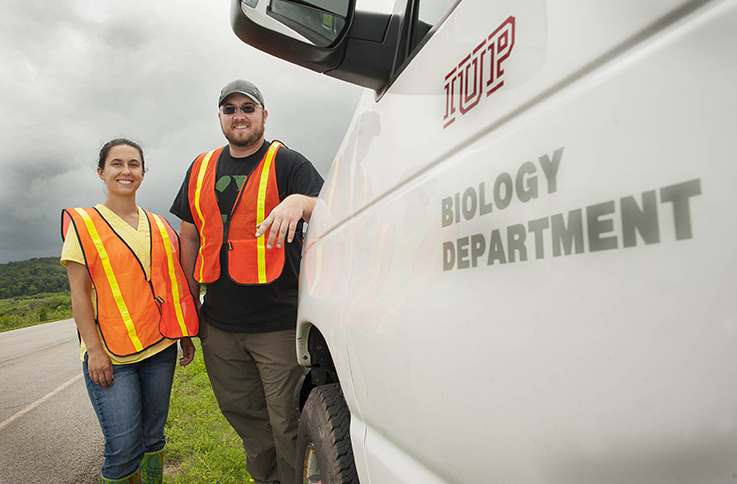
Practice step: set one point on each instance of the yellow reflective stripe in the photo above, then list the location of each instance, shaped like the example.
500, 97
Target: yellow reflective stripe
172, 274
260, 212
111, 278
198, 191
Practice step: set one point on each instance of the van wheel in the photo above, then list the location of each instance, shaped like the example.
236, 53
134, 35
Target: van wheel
323, 439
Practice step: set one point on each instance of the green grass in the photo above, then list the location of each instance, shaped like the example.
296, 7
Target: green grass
22, 311
201, 444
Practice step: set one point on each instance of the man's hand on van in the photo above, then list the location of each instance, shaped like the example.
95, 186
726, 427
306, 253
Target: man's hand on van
284, 218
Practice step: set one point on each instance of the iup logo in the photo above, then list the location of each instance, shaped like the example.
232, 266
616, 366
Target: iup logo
478, 73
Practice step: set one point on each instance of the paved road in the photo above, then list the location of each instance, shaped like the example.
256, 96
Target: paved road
48, 430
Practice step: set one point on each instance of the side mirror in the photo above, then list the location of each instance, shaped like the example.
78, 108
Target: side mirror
326, 36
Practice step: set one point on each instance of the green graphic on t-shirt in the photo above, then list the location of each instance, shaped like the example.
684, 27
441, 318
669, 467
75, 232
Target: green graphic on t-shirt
239, 179
223, 184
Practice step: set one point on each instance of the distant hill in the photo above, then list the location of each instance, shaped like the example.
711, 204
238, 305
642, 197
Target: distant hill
33, 276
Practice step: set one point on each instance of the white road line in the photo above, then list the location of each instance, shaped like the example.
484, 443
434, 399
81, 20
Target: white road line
39, 401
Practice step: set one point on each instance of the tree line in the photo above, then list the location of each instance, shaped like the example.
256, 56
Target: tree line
33, 276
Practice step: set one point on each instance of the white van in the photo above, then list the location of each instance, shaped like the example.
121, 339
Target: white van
522, 266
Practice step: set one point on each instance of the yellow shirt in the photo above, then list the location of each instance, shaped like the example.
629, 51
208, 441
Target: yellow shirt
139, 240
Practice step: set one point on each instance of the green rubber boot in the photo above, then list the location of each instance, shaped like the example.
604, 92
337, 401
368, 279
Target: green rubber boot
131, 479
152, 468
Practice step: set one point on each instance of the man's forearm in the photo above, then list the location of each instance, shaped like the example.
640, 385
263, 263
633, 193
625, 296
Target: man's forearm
189, 245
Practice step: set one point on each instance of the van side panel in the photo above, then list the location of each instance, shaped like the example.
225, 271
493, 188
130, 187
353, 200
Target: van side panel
548, 280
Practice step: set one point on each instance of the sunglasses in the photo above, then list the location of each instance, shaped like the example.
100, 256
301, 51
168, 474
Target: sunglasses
245, 109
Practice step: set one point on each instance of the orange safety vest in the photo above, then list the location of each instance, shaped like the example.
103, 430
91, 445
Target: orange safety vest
132, 312
248, 261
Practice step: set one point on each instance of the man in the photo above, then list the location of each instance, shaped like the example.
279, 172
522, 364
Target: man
242, 208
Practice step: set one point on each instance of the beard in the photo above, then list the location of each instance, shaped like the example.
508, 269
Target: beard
249, 140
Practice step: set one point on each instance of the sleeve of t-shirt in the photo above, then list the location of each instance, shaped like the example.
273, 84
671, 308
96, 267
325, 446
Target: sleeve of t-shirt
180, 207
72, 250
302, 177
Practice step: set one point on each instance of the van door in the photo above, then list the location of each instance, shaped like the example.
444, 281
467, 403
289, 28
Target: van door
539, 269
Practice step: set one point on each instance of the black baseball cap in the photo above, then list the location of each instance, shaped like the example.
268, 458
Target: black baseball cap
242, 87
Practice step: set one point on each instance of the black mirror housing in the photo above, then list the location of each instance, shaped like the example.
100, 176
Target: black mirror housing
364, 55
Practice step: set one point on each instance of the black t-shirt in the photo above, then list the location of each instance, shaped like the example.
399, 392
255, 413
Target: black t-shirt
255, 308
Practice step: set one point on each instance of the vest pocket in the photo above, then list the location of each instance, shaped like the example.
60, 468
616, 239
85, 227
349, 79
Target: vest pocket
128, 336
179, 320
243, 261
250, 264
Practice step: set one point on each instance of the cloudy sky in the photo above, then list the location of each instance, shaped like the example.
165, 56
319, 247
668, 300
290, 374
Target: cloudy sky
76, 73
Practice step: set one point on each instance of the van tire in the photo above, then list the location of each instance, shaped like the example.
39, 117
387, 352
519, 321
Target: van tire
324, 434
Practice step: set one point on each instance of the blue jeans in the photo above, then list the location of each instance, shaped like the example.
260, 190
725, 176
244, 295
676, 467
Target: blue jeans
132, 412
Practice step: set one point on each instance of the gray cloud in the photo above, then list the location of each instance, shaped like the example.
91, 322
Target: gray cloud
78, 73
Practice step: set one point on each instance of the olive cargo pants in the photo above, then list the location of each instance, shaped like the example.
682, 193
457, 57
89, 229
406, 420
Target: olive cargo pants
253, 376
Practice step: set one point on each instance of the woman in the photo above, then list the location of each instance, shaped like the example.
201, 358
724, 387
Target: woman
131, 303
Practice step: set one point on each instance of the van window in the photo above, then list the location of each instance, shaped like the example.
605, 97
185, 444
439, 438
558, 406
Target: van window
425, 15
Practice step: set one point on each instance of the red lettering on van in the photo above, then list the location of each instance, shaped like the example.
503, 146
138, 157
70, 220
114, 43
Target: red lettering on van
478, 73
